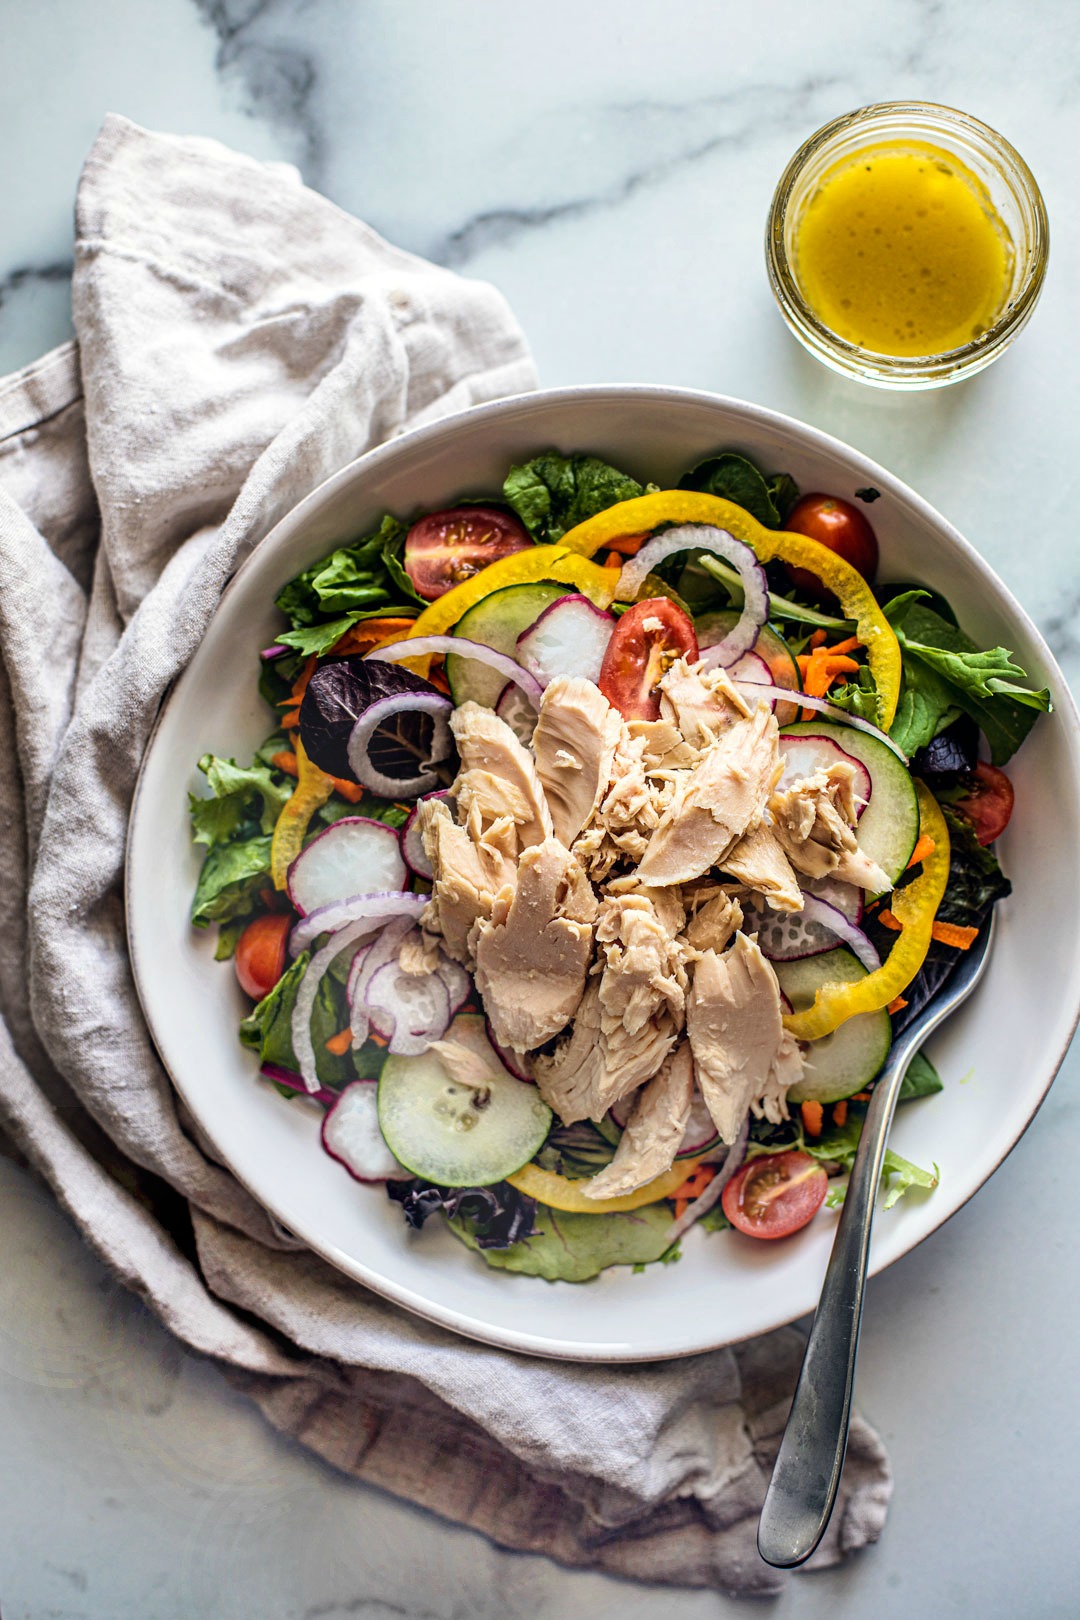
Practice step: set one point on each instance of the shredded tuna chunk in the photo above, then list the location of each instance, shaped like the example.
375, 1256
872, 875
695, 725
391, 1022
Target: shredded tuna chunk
533, 953
640, 960
814, 820
716, 803
758, 860
662, 743
574, 742
487, 744
468, 873
654, 1130
591, 1068
717, 915
701, 703
734, 1023
786, 1071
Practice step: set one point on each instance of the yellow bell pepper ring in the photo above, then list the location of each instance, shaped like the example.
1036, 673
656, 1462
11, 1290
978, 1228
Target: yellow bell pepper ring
914, 907
560, 1192
559, 563
313, 788
856, 598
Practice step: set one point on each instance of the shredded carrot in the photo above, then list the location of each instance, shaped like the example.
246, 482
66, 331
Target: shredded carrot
693, 1186
812, 1117
681, 1207
613, 560
839, 1113
339, 1044
370, 632
887, 920
377, 1040
437, 676
627, 545
861, 1096
818, 639
847, 646
925, 846
951, 934
897, 1004
286, 761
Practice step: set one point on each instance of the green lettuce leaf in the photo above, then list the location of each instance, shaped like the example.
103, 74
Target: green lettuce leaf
231, 877
837, 1145
267, 1029
859, 697
244, 798
576, 1151
921, 1080
573, 1248
353, 579
734, 478
552, 493
943, 665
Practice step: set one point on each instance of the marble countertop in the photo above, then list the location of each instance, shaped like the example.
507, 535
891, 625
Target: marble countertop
609, 165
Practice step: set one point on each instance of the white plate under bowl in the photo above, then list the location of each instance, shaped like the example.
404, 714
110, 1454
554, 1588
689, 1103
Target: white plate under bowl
997, 1056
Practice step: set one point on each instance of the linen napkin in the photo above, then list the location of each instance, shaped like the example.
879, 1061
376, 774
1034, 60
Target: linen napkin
239, 339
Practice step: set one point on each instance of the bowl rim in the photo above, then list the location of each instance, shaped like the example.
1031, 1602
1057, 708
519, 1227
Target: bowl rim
1065, 713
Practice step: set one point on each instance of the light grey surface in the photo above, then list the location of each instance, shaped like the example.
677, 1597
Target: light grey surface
610, 166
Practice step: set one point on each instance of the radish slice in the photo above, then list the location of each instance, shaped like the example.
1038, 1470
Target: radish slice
309, 988
424, 646
355, 855
457, 982
703, 537
351, 1135
373, 909
412, 845
569, 638
700, 1134
368, 750
753, 668
848, 900
509, 1060
751, 689
790, 936
736, 1153
409, 1010
803, 756
514, 707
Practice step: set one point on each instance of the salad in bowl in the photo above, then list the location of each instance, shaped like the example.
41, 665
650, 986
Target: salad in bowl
604, 836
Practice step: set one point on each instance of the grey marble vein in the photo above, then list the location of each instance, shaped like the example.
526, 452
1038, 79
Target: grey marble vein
28, 277
731, 121
279, 79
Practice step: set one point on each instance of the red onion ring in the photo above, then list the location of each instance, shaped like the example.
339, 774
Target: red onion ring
703, 537
374, 909
424, 646
841, 716
736, 1153
308, 989
819, 911
383, 709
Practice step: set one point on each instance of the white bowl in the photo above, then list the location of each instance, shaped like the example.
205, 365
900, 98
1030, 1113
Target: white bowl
997, 1055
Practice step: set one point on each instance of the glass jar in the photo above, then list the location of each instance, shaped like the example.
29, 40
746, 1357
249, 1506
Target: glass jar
992, 170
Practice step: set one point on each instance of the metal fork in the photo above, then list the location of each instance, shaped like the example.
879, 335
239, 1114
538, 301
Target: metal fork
806, 1473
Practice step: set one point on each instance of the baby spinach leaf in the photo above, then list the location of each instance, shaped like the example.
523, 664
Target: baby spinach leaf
552, 494
353, 579
267, 1029
735, 478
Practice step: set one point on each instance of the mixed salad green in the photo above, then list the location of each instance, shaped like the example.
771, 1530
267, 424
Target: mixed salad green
882, 675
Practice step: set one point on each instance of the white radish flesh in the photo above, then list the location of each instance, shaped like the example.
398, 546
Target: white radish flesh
569, 638
353, 856
351, 1135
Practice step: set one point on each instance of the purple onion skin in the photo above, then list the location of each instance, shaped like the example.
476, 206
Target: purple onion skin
295, 1082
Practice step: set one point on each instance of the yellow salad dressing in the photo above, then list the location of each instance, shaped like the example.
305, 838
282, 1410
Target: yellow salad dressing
899, 250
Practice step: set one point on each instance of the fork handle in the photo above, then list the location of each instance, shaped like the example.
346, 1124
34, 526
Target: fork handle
806, 1474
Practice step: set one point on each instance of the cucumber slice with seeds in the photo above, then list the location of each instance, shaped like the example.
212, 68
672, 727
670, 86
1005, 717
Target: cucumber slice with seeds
840, 1064
889, 826
497, 621
457, 1135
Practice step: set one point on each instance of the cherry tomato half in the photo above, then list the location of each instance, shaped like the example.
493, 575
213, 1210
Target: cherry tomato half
989, 804
838, 525
775, 1195
445, 548
643, 646
260, 953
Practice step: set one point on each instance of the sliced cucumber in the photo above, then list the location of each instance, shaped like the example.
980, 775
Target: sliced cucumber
889, 826
844, 1062
456, 1135
497, 621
